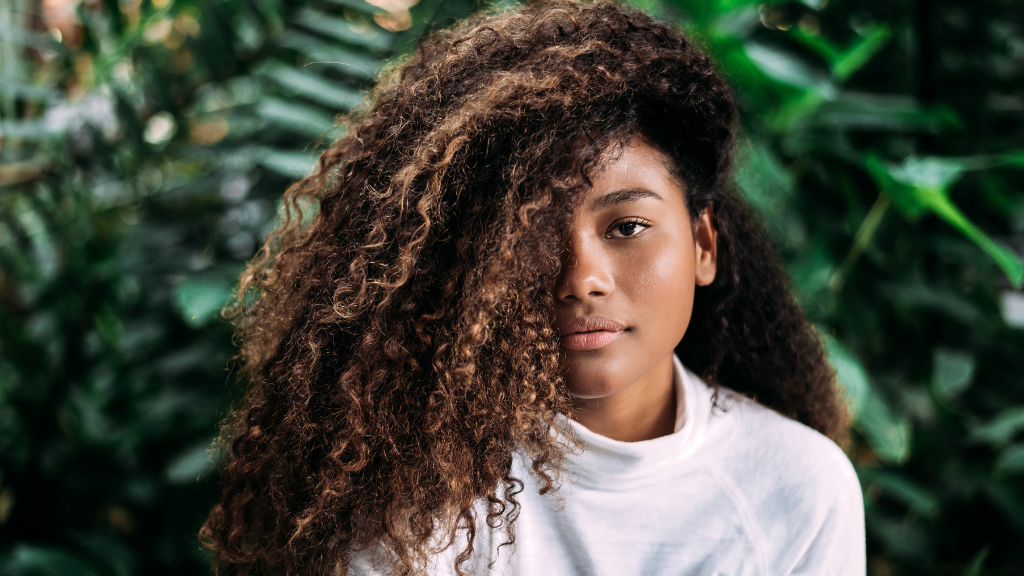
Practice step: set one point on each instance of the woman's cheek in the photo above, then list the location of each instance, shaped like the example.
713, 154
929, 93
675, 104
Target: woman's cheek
665, 289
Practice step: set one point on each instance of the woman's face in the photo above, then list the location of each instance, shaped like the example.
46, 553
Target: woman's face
625, 294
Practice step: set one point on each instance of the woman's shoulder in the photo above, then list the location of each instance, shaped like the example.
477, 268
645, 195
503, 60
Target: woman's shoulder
794, 484
795, 488
776, 452
753, 443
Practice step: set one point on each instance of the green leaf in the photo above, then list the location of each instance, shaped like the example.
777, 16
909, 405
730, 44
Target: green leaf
191, 464
918, 295
298, 117
845, 61
920, 185
312, 86
1001, 429
1010, 158
952, 371
27, 560
762, 177
28, 91
902, 196
787, 68
28, 130
812, 269
738, 23
899, 487
108, 324
1011, 264
883, 112
977, 563
855, 57
1005, 501
888, 435
851, 374
905, 537
19, 35
927, 172
295, 165
1011, 460
369, 37
730, 5
355, 64
200, 299
814, 4
826, 49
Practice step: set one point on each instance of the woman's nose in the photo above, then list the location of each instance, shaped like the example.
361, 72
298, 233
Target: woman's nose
586, 272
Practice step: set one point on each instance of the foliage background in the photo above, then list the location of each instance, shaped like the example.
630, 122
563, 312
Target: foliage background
144, 145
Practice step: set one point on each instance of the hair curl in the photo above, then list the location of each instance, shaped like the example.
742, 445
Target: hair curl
400, 349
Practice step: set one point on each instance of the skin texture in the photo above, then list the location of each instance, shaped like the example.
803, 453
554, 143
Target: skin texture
633, 257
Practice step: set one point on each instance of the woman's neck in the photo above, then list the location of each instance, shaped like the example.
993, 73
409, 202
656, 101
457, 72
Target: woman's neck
643, 410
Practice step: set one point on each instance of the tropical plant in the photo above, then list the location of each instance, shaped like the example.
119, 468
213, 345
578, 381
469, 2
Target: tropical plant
145, 145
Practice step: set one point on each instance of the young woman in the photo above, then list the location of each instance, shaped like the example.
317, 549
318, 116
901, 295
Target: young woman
532, 330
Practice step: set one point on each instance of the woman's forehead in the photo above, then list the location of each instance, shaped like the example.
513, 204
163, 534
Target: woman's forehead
638, 155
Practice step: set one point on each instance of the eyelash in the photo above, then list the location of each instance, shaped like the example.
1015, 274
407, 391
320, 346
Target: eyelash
634, 220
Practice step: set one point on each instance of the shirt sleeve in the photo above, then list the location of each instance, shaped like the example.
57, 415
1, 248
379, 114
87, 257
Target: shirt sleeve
807, 510
818, 514
837, 546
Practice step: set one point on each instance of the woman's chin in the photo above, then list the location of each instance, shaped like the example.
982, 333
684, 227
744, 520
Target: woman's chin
593, 375
592, 388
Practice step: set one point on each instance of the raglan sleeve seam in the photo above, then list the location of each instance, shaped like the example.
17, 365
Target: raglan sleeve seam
746, 516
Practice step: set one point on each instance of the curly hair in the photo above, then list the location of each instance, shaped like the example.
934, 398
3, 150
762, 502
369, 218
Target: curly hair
397, 346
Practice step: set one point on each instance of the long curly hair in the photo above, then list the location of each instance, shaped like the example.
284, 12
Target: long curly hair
395, 330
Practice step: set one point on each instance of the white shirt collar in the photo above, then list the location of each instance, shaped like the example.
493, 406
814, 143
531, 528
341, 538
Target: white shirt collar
606, 461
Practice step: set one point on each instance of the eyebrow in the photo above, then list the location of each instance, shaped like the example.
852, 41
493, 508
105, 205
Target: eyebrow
621, 196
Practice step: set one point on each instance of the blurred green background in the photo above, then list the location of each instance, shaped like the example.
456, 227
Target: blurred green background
145, 144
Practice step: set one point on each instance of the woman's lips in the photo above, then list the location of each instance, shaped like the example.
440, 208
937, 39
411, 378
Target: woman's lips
590, 340
589, 332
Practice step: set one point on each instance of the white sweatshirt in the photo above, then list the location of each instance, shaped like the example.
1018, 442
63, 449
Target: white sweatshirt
739, 492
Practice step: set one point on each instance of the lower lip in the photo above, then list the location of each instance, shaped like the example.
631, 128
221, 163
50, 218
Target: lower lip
590, 340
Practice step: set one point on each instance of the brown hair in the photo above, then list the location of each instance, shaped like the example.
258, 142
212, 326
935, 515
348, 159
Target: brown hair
398, 346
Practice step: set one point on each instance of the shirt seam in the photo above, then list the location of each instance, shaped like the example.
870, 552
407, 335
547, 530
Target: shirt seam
746, 515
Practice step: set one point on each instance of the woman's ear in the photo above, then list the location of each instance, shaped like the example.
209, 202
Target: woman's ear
705, 236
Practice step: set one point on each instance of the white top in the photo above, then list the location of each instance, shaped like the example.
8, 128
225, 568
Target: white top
745, 491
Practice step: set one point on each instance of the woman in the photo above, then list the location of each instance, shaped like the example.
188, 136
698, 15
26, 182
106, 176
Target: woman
532, 330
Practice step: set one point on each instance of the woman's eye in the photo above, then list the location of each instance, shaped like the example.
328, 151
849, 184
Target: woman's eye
627, 228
